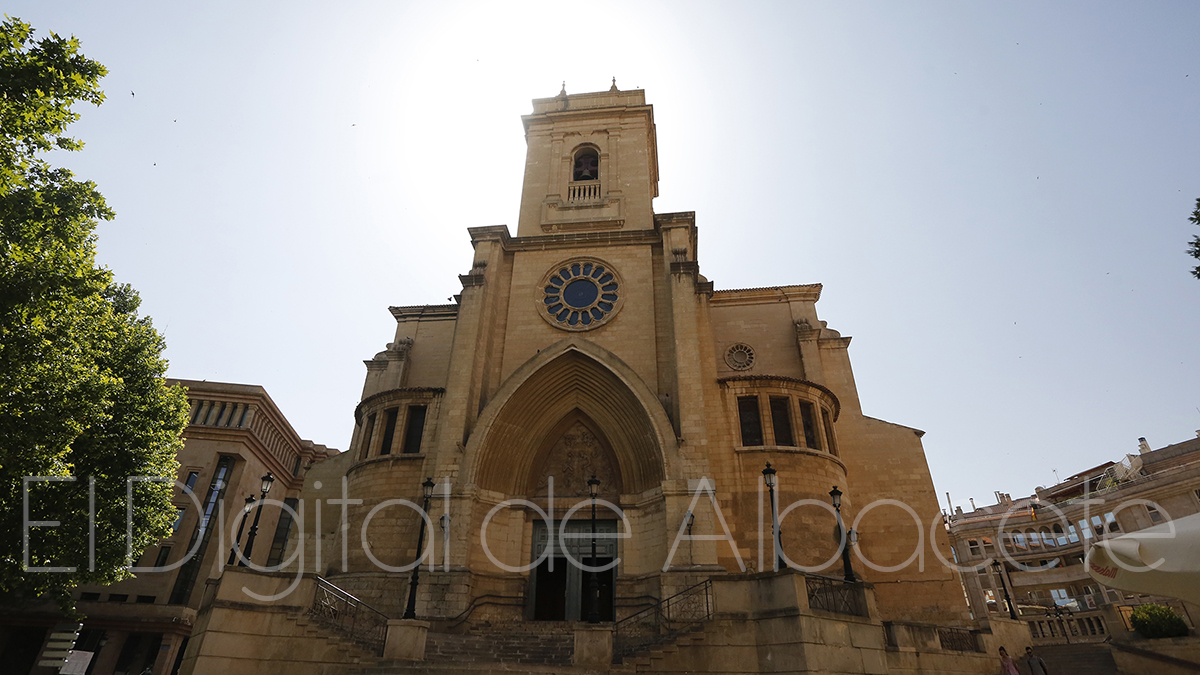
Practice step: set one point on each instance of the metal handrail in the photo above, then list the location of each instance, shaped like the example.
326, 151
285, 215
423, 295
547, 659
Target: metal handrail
958, 639
348, 615
835, 595
486, 599
665, 619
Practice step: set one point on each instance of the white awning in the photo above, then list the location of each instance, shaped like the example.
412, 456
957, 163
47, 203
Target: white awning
1160, 560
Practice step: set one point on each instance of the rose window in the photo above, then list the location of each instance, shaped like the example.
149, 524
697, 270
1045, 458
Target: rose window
580, 294
740, 357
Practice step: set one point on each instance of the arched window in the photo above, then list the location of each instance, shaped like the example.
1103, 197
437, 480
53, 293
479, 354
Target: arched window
587, 165
1047, 538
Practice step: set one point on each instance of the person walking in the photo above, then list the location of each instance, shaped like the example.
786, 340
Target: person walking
1036, 665
1007, 667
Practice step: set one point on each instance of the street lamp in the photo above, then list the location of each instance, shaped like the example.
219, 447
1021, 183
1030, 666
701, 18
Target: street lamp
1058, 612
999, 570
776, 535
848, 571
241, 526
267, 480
410, 612
594, 584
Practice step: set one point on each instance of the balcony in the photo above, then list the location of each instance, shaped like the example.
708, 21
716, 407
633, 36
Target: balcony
584, 191
1056, 575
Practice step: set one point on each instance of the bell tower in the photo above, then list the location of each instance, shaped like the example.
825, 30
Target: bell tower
591, 163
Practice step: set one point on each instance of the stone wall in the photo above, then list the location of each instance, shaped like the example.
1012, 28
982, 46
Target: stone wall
237, 633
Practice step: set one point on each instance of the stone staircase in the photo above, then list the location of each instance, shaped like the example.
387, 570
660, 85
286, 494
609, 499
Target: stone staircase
349, 651
533, 642
1080, 659
535, 647
649, 658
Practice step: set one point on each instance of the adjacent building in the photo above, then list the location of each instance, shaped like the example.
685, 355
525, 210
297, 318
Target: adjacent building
1039, 542
236, 435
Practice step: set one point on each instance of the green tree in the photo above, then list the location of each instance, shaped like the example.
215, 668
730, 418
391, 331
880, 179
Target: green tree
81, 374
1157, 621
1194, 247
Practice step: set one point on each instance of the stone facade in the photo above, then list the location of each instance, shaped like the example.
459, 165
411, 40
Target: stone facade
235, 436
586, 348
591, 344
1041, 541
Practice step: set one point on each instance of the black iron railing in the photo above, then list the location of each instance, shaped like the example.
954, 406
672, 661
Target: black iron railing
958, 639
661, 622
835, 595
348, 615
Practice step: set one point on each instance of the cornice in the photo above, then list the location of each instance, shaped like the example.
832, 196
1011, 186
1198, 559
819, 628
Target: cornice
837, 405
543, 242
424, 312
767, 294
677, 218
389, 393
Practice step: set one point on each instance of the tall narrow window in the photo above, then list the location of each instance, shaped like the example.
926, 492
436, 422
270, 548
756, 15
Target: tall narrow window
186, 580
587, 165
296, 465
282, 531
750, 421
164, 554
191, 479
389, 432
368, 432
1155, 516
781, 420
415, 429
809, 420
829, 444
1085, 529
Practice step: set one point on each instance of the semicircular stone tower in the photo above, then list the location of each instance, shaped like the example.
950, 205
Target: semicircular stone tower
588, 348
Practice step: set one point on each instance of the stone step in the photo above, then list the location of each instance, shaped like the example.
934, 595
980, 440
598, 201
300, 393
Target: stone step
497, 648
1081, 659
434, 668
527, 628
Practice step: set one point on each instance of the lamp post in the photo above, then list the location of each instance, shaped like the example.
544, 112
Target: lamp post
267, 480
1058, 612
999, 570
848, 572
776, 536
594, 583
410, 611
241, 526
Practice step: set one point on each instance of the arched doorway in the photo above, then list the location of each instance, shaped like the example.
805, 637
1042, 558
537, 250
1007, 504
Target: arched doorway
561, 586
571, 410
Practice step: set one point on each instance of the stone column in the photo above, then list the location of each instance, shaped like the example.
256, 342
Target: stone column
406, 640
167, 652
593, 646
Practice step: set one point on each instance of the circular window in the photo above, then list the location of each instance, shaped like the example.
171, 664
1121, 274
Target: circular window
740, 357
579, 294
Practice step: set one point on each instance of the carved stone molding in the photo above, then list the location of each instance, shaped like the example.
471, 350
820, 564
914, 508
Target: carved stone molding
575, 457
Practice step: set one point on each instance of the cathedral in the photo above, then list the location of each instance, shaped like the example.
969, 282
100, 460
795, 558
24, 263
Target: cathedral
594, 460
590, 347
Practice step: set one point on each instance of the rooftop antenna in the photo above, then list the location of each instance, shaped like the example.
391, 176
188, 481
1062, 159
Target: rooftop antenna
1056, 480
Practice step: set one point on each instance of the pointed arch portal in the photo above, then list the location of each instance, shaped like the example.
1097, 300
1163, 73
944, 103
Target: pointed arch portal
573, 382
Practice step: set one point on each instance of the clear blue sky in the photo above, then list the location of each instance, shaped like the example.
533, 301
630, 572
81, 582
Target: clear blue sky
995, 195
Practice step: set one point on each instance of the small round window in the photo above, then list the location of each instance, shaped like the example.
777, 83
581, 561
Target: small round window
579, 294
740, 356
